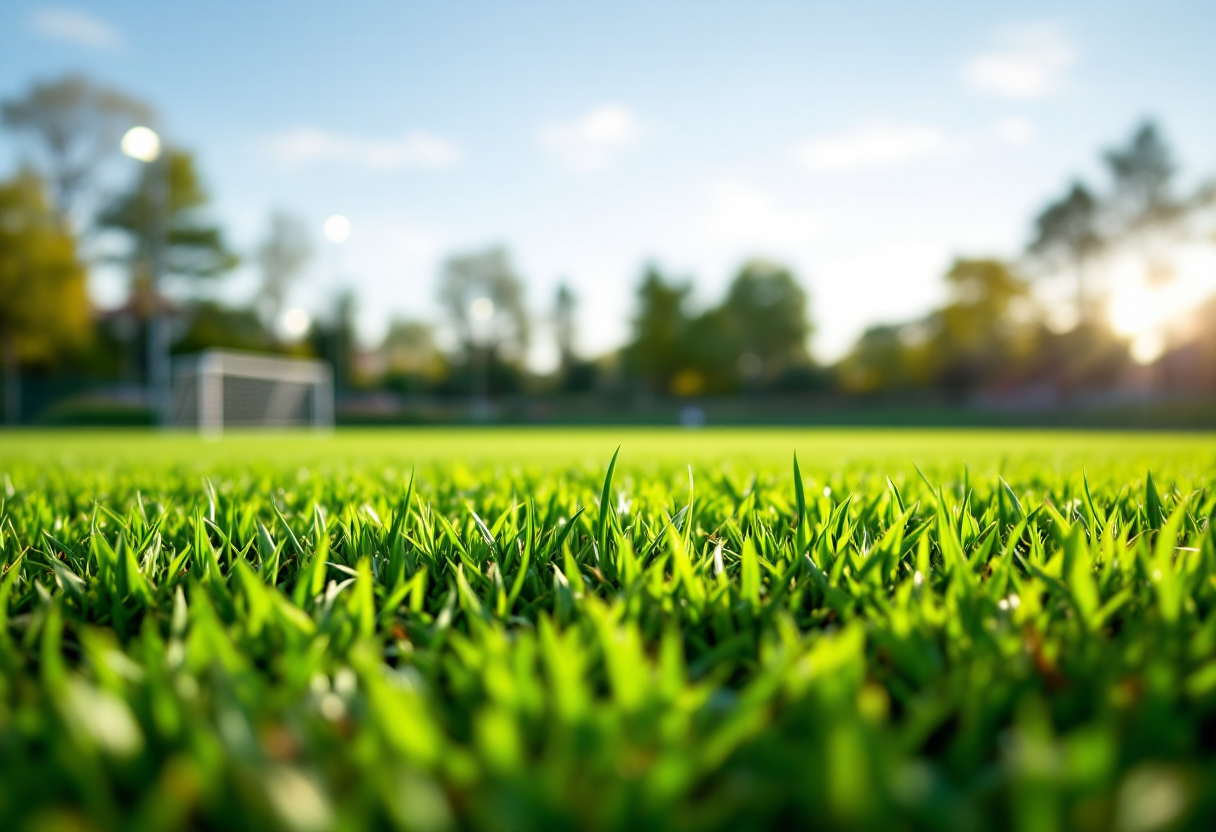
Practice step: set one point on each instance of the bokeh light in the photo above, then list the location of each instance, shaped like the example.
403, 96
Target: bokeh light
337, 229
141, 143
296, 322
482, 309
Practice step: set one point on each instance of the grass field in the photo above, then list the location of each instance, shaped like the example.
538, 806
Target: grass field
498, 629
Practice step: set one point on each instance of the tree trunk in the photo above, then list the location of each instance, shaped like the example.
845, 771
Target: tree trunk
1082, 294
12, 380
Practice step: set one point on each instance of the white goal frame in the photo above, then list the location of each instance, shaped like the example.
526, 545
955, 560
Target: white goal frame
219, 389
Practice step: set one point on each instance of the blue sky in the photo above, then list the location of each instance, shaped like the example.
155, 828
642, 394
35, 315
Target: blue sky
864, 144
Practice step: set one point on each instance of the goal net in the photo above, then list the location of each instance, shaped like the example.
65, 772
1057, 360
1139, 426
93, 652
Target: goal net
218, 389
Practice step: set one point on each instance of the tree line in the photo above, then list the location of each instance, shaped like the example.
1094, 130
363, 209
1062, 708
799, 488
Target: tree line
994, 330
70, 208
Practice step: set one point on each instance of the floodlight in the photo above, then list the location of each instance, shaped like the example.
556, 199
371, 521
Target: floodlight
337, 229
141, 143
296, 322
482, 309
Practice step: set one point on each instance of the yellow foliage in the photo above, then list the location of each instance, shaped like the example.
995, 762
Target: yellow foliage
43, 299
687, 383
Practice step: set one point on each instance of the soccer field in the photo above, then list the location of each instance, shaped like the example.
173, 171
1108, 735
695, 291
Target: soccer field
825, 451
504, 629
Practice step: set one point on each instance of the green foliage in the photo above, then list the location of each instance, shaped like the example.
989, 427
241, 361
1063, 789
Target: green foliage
214, 325
414, 360
985, 328
767, 311
1068, 235
75, 125
987, 334
1143, 173
656, 353
888, 357
489, 274
281, 256
756, 337
194, 247
311, 635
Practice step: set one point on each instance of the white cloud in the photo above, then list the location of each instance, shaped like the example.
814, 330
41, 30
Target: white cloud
73, 26
1014, 130
308, 145
876, 145
593, 141
1028, 63
741, 215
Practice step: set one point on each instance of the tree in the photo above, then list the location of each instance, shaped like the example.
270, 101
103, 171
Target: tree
409, 346
980, 331
1067, 233
169, 237
466, 281
43, 303
282, 255
980, 335
574, 375
707, 353
333, 338
878, 361
759, 329
1143, 172
656, 352
1205, 318
564, 308
194, 248
1143, 206
412, 356
75, 126
212, 324
766, 309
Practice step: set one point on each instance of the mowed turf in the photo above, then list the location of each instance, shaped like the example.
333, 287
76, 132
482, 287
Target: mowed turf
502, 629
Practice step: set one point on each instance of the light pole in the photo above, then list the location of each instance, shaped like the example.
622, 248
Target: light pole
337, 231
144, 145
481, 311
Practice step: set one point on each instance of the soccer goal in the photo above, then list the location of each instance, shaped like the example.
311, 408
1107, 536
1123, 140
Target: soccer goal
217, 389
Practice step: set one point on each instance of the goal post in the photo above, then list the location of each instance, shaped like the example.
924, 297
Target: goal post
219, 389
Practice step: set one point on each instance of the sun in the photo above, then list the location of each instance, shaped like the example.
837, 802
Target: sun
1134, 309
1153, 317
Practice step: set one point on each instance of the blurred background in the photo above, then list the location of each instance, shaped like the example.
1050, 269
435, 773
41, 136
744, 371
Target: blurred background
882, 212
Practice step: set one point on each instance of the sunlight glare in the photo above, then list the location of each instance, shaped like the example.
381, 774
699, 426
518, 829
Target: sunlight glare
1134, 309
1148, 346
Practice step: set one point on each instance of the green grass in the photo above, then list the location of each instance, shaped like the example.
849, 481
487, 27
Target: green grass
496, 629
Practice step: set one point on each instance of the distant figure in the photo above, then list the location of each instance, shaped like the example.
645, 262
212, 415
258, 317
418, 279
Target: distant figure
692, 417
